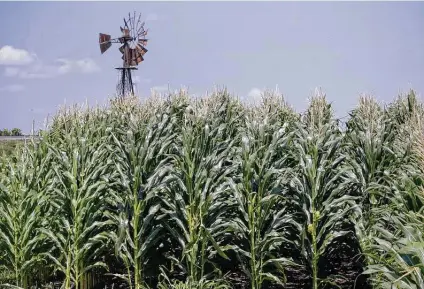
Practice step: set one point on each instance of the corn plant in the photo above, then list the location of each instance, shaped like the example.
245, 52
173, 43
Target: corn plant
262, 218
378, 146
22, 207
211, 185
370, 140
196, 193
80, 196
138, 147
397, 234
320, 186
402, 248
202, 284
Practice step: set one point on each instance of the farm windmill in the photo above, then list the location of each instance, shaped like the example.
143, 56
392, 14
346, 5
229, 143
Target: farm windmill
133, 48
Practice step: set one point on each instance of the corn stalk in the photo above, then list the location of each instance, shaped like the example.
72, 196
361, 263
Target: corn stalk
196, 189
262, 218
80, 196
22, 204
320, 186
138, 151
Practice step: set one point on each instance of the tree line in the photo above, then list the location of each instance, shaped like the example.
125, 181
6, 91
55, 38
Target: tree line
13, 132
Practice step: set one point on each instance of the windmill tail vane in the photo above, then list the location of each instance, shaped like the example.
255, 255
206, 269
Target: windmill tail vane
133, 47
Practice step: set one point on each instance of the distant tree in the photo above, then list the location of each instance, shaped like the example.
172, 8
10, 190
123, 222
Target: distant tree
16, 132
6, 132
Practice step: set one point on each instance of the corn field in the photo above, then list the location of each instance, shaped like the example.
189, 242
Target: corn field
198, 193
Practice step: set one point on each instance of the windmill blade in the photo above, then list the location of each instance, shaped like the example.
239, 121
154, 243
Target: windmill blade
130, 60
138, 22
143, 41
141, 49
141, 34
126, 54
129, 20
141, 29
134, 57
104, 42
139, 57
126, 60
134, 20
121, 49
133, 25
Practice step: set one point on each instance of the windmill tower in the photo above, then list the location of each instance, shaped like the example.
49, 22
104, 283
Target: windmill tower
133, 42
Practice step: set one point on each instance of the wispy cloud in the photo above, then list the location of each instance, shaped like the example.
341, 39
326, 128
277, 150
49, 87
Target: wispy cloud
12, 88
14, 56
86, 65
39, 70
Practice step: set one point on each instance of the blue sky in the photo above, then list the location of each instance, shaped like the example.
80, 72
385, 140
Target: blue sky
49, 51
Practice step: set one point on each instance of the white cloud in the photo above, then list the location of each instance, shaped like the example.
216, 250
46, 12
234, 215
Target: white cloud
35, 71
152, 17
36, 75
40, 70
14, 56
65, 67
86, 65
12, 88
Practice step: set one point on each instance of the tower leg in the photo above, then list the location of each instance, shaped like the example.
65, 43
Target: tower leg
130, 81
125, 85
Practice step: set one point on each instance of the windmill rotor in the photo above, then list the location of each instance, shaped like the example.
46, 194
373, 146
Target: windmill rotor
133, 48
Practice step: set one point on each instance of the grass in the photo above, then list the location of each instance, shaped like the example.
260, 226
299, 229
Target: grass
214, 193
